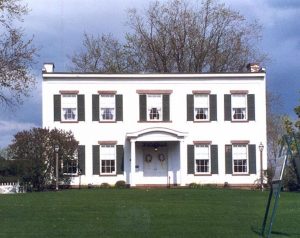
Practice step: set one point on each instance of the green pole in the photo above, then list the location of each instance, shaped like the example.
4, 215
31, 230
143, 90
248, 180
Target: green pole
267, 213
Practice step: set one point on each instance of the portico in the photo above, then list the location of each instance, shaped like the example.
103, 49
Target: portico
158, 156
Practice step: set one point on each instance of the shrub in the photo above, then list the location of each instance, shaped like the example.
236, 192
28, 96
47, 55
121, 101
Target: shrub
194, 185
120, 184
105, 185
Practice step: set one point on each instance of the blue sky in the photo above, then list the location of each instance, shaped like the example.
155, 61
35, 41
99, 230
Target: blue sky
58, 27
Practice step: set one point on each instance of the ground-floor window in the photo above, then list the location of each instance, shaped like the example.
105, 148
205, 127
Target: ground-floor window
202, 159
240, 159
70, 166
107, 159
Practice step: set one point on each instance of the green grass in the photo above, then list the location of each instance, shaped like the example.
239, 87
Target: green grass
145, 213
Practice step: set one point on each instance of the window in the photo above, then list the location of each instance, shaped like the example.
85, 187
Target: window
154, 107
201, 107
239, 106
69, 107
240, 161
107, 107
107, 159
70, 167
202, 159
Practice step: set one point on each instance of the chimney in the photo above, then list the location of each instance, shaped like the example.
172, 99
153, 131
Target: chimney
48, 68
253, 67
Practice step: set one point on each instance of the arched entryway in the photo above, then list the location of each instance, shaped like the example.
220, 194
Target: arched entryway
157, 156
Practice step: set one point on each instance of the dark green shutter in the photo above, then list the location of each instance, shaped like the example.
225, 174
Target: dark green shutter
227, 107
143, 108
120, 159
251, 107
190, 107
57, 107
81, 109
119, 107
214, 159
190, 159
213, 107
228, 159
252, 159
96, 159
81, 158
95, 107
166, 107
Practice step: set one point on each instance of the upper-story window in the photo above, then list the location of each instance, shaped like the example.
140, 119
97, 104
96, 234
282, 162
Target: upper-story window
154, 107
69, 107
239, 107
107, 107
201, 107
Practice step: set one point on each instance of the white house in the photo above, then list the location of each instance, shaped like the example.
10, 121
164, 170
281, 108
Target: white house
159, 129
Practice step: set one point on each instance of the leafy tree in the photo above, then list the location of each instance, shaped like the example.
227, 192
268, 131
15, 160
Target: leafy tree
291, 178
16, 54
175, 36
36, 147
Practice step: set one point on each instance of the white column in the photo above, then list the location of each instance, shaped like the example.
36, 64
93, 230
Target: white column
132, 159
183, 163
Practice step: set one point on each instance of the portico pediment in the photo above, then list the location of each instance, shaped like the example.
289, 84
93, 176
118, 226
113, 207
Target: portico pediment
157, 134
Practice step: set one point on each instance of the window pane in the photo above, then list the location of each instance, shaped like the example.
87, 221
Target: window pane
108, 159
154, 107
239, 155
201, 106
107, 107
69, 107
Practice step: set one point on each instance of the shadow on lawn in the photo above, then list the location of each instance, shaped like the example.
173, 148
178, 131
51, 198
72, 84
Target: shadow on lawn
258, 232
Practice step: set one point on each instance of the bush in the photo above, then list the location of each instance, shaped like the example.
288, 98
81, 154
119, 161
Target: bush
194, 185
120, 184
105, 185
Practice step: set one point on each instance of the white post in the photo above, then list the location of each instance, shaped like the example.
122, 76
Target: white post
132, 159
183, 163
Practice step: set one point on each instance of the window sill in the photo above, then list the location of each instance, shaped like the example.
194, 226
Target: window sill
69, 121
203, 174
204, 121
71, 175
107, 121
238, 121
237, 174
107, 175
154, 121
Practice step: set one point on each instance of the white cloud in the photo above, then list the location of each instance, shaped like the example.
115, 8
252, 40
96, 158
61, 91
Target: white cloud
9, 128
6, 126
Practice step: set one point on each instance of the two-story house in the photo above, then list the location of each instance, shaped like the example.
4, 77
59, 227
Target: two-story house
158, 129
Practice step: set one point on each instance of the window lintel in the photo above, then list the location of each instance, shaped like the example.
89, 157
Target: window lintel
239, 91
69, 91
201, 91
155, 91
107, 142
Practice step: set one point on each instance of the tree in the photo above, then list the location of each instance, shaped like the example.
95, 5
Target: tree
16, 54
175, 36
36, 146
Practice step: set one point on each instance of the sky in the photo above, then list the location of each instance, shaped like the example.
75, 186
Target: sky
58, 26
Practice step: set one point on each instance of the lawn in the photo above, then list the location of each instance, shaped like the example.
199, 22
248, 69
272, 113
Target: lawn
145, 213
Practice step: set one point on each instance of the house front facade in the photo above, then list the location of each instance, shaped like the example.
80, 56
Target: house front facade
160, 129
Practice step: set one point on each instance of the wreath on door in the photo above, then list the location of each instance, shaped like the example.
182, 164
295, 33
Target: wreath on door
148, 158
161, 158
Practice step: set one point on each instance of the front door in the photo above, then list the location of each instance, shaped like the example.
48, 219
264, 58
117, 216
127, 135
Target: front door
155, 165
